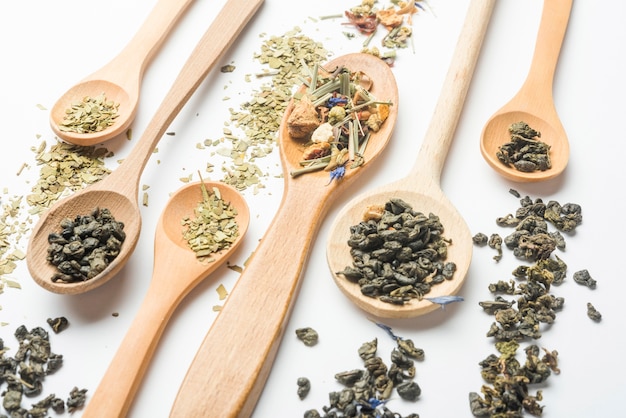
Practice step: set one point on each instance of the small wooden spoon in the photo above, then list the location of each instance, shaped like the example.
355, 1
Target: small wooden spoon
119, 191
421, 188
176, 271
236, 356
120, 79
534, 103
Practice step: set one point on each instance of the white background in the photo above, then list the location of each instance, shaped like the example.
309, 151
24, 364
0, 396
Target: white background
46, 46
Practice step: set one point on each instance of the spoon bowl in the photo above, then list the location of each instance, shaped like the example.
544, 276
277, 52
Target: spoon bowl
534, 103
123, 209
176, 272
421, 188
119, 191
125, 97
120, 79
425, 201
496, 132
258, 308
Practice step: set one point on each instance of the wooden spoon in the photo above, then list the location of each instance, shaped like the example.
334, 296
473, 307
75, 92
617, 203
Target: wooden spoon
421, 188
120, 79
176, 271
534, 103
119, 191
235, 358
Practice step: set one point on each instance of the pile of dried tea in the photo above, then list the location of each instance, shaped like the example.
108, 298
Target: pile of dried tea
396, 19
85, 245
65, 168
508, 394
368, 390
91, 114
334, 119
525, 151
531, 239
214, 227
25, 372
398, 253
524, 307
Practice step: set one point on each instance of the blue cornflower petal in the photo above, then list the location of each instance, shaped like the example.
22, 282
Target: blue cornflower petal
444, 300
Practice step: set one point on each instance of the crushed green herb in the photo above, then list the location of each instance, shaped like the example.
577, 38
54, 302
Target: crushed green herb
213, 227
257, 120
65, 168
91, 114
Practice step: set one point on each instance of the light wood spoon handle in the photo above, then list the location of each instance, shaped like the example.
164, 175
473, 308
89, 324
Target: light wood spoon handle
440, 133
119, 385
230, 368
128, 66
216, 40
552, 28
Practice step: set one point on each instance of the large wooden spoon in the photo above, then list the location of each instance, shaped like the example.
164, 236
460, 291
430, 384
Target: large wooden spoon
235, 358
119, 191
421, 187
120, 79
176, 271
534, 103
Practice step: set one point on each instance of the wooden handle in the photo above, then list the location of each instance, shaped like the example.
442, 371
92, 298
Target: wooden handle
229, 370
117, 389
214, 43
440, 133
552, 28
128, 66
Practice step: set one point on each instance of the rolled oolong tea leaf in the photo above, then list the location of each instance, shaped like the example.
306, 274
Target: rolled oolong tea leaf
304, 387
480, 239
583, 278
409, 391
495, 242
58, 324
213, 228
593, 313
91, 114
85, 245
76, 399
307, 335
398, 253
525, 152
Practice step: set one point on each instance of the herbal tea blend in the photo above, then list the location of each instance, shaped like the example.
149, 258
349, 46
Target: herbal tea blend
85, 245
396, 19
91, 114
334, 119
214, 227
525, 152
398, 253
258, 118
